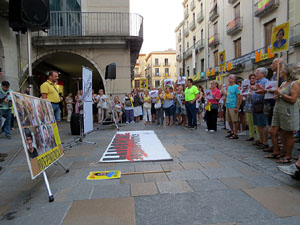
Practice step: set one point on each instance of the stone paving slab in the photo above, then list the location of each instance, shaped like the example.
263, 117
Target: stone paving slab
171, 166
173, 187
132, 179
155, 177
143, 189
191, 165
207, 185
143, 168
236, 183
110, 191
117, 211
283, 201
210, 165
275, 221
221, 172
186, 175
199, 208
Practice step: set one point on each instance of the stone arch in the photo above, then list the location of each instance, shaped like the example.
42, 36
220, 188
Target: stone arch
43, 56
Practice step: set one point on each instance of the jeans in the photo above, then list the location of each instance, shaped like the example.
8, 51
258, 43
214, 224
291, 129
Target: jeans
56, 110
191, 114
211, 119
129, 115
160, 116
6, 113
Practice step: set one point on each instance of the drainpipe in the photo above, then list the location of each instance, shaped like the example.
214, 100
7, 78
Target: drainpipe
287, 19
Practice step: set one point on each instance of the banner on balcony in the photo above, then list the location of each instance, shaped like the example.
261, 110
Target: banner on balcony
229, 66
280, 38
262, 4
38, 130
222, 59
130, 146
143, 84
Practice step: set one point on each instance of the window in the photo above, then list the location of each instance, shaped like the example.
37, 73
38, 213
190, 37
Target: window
202, 65
179, 49
156, 62
202, 34
157, 83
216, 57
166, 62
216, 28
167, 72
194, 17
137, 83
187, 45
201, 9
237, 11
194, 41
156, 71
268, 32
188, 71
195, 70
238, 48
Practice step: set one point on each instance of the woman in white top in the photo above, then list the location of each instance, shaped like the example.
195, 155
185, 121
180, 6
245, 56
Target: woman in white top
101, 105
118, 106
69, 101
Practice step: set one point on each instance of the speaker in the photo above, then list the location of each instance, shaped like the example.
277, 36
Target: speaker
32, 14
110, 72
75, 124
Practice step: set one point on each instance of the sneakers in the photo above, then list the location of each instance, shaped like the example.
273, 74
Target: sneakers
127, 122
212, 131
206, 130
290, 170
3, 154
132, 122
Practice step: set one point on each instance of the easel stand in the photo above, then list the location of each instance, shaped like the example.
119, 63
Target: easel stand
51, 197
82, 136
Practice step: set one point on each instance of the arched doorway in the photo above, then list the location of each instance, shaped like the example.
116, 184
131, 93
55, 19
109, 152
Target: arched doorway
69, 65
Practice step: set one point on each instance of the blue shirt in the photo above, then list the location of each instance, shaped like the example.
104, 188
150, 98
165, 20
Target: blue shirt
258, 97
3, 95
232, 93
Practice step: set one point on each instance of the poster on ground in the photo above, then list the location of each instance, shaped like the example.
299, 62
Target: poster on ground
104, 175
87, 76
38, 131
280, 38
131, 146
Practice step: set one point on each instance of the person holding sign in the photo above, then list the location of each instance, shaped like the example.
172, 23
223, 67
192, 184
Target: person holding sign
49, 91
5, 108
212, 114
191, 94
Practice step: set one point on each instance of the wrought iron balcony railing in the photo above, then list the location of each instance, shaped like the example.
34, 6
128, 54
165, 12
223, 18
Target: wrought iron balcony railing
213, 40
231, 1
234, 26
192, 25
95, 24
186, 32
262, 7
192, 6
214, 13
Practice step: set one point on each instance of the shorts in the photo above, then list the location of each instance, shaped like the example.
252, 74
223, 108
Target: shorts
178, 110
183, 111
231, 115
259, 119
286, 121
56, 110
170, 111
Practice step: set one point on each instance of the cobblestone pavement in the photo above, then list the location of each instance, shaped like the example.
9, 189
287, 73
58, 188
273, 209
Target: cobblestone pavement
213, 180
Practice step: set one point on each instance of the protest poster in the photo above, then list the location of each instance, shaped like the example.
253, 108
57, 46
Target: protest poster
39, 132
181, 80
270, 86
153, 93
168, 82
245, 90
143, 84
208, 94
131, 146
222, 59
104, 175
280, 38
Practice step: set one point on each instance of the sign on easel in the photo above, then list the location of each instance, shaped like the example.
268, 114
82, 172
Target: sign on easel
87, 76
39, 132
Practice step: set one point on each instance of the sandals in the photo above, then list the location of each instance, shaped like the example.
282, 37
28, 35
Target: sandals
229, 135
272, 156
250, 139
284, 160
268, 149
257, 143
234, 137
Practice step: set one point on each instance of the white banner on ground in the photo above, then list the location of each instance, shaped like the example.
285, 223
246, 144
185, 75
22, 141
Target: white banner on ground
87, 76
130, 146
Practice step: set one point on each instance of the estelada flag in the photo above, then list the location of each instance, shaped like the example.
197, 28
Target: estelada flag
280, 38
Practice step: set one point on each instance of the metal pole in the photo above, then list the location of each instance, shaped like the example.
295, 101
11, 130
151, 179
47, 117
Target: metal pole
51, 197
29, 61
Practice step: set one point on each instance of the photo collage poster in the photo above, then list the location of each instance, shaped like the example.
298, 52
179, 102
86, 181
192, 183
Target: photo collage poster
38, 130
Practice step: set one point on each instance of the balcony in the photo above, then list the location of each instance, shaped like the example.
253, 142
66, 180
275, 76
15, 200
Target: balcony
192, 6
263, 7
199, 45
178, 58
166, 65
234, 26
186, 32
214, 13
200, 17
167, 74
295, 35
232, 1
186, 14
179, 38
213, 41
137, 75
156, 74
192, 25
156, 65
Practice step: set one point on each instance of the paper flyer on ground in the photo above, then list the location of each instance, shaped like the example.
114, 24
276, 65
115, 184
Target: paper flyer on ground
104, 175
130, 146
38, 130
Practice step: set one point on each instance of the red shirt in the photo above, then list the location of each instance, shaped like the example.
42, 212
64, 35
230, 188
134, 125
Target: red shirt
216, 92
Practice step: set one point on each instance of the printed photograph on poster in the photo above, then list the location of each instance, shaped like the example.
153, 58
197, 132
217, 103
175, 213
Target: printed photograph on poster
280, 37
181, 80
104, 175
39, 132
131, 146
222, 58
168, 82
245, 89
208, 94
143, 84
153, 94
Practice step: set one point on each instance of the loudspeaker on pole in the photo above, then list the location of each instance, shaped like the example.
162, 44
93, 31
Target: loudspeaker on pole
110, 72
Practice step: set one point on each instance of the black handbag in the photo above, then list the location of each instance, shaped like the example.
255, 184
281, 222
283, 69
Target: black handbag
258, 107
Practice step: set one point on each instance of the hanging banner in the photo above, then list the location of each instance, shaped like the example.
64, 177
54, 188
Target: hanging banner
130, 146
87, 76
39, 132
194, 58
245, 87
143, 84
280, 38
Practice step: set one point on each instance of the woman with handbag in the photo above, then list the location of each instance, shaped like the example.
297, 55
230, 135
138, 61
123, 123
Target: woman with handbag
212, 112
158, 108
